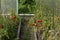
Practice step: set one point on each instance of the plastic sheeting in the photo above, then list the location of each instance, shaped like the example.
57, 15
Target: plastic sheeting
8, 5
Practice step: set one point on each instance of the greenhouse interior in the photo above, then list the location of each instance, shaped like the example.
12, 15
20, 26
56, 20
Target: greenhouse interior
29, 19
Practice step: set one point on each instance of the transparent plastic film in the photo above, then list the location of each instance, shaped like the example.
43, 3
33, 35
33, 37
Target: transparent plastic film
7, 6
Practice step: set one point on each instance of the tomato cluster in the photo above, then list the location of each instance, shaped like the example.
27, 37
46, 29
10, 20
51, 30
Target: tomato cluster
13, 17
38, 23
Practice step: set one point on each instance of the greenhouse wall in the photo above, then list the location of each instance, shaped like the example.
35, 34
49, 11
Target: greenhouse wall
8, 5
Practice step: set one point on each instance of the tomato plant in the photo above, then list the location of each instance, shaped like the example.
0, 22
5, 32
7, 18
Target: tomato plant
9, 27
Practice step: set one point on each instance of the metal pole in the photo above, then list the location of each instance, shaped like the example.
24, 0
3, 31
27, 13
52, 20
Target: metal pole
17, 6
20, 14
18, 30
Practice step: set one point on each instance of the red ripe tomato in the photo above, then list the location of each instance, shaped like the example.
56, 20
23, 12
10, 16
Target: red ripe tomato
33, 24
39, 21
1, 26
13, 17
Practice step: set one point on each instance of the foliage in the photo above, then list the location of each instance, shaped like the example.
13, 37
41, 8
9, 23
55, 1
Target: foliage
46, 13
9, 27
26, 6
